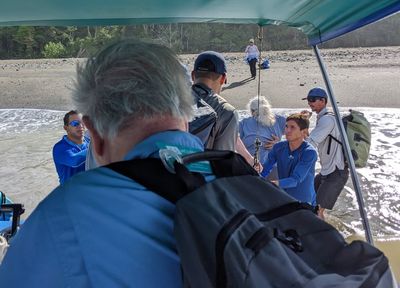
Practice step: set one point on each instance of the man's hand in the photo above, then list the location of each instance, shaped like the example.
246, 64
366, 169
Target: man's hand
268, 144
258, 167
276, 182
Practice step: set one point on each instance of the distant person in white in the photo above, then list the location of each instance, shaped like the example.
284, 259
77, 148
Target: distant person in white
252, 55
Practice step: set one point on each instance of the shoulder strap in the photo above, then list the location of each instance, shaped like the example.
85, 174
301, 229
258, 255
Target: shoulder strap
331, 136
201, 90
152, 174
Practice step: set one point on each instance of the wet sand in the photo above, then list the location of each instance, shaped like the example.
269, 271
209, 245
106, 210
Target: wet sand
362, 77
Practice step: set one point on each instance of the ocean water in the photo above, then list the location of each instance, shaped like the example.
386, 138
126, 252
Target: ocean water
27, 172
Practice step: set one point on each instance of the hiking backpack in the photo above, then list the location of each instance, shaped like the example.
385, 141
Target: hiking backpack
205, 117
239, 230
358, 131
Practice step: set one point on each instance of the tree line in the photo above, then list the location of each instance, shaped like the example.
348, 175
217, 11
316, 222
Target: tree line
24, 42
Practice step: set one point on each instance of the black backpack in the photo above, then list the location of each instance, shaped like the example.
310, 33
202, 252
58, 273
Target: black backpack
241, 231
205, 116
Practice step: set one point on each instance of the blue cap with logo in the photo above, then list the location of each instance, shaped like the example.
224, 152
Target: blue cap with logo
316, 92
210, 61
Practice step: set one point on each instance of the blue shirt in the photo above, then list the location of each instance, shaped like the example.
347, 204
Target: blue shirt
249, 130
69, 157
100, 229
296, 169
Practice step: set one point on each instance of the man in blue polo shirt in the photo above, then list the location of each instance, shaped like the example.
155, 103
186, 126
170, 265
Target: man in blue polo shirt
295, 160
69, 153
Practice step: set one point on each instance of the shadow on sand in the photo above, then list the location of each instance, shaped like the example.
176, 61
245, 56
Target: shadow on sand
237, 84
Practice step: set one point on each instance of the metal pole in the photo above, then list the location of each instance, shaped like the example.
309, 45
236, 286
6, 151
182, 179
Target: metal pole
349, 157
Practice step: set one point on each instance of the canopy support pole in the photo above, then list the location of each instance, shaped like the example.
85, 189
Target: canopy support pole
347, 150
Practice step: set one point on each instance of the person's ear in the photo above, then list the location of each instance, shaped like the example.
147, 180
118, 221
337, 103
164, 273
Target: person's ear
223, 79
96, 140
66, 128
305, 133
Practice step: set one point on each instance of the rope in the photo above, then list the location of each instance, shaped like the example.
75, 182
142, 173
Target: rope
257, 142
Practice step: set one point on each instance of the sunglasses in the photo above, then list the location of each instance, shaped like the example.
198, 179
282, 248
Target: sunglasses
313, 99
75, 123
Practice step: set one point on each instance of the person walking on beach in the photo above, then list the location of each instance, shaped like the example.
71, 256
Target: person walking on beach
69, 154
295, 159
102, 229
252, 55
262, 124
332, 178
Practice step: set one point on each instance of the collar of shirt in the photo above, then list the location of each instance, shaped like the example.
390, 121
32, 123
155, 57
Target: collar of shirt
322, 113
149, 147
80, 146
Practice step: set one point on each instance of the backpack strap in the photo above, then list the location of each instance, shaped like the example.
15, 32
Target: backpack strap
331, 136
201, 90
152, 174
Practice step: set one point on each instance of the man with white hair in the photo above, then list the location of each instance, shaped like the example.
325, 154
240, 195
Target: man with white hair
101, 229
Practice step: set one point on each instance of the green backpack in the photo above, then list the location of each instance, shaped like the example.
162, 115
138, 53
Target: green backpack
358, 131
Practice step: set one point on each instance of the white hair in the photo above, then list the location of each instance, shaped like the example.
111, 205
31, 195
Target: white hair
131, 79
260, 108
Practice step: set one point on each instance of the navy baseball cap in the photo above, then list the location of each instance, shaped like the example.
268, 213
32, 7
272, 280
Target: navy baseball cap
316, 92
210, 61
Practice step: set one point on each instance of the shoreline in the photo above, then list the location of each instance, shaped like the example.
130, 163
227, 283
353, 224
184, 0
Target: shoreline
360, 77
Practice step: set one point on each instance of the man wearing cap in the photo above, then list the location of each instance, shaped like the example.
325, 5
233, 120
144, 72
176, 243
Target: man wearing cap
334, 171
209, 74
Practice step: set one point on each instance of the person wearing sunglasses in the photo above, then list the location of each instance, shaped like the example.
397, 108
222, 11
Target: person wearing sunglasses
69, 154
332, 178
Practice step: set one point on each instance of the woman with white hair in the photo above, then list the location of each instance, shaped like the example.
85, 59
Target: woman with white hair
262, 124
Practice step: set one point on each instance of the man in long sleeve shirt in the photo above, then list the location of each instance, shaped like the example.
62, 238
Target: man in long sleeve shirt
295, 160
334, 171
69, 153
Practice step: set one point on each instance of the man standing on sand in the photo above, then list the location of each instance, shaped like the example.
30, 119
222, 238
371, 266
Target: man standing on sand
208, 75
69, 154
334, 172
135, 100
295, 159
252, 55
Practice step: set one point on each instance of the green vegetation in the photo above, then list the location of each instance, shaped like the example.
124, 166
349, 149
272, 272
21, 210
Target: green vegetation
58, 42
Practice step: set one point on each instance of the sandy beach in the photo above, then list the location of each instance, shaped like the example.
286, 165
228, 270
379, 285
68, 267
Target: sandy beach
361, 77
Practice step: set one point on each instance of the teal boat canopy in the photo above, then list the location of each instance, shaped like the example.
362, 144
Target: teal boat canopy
320, 20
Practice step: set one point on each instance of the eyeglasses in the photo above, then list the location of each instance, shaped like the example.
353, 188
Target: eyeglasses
75, 123
313, 99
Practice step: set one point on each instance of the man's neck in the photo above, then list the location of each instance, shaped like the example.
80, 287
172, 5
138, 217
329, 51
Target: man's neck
75, 140
213, 85
293, 145
321, 110
126, 139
